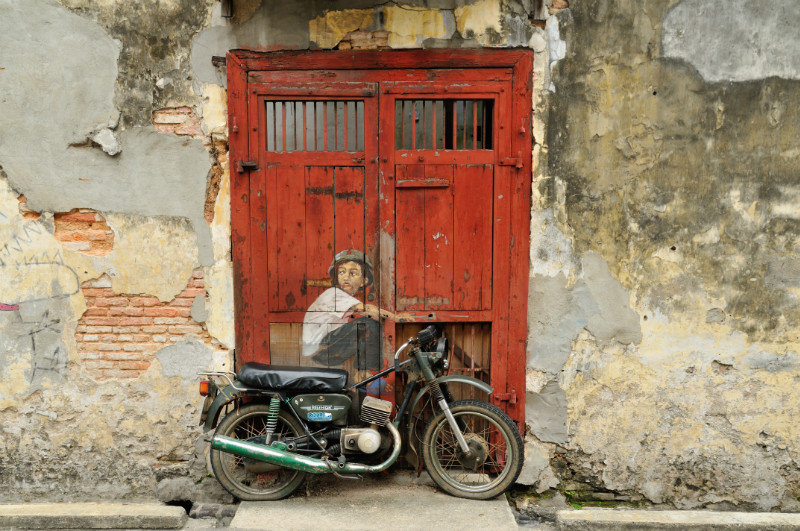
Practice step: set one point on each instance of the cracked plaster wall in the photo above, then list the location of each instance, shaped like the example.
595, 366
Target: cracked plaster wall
668, 369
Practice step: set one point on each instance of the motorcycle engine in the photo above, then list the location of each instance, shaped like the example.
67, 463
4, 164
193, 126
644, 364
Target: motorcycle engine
375, 412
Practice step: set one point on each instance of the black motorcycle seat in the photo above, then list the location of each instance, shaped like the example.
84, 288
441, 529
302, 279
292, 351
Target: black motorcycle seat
292, 379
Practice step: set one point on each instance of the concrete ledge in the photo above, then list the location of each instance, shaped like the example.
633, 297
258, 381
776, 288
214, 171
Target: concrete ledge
607, 519
91, 516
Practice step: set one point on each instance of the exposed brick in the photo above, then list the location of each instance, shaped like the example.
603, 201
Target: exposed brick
160, 339
184, 329
96, 312
197, 274
135, 365
130, 312
161, 312
197, 283
192, 292
99, 346
90, 337
170, 320
557, 5
96, 329
182, 302
111, 301
126, 329
137, 347
109, 337
107, 321
129, 321
144, 301
154, 329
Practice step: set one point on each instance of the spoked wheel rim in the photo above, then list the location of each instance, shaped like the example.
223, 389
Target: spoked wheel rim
251, 476
487, 466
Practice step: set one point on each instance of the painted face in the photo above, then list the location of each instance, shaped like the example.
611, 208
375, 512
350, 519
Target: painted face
350, 277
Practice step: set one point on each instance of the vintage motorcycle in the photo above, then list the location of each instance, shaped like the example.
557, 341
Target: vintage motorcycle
283, 423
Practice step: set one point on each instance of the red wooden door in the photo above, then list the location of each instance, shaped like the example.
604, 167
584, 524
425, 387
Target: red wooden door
409, 180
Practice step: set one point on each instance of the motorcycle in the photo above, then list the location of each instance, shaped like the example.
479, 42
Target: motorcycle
283, 423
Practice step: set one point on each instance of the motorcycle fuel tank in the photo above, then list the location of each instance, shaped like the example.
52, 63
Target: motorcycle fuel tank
321, 407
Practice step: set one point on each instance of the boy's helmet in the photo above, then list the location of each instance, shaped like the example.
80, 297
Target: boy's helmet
351, 255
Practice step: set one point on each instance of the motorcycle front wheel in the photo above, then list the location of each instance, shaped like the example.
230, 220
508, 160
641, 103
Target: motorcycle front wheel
496, 452
248, 479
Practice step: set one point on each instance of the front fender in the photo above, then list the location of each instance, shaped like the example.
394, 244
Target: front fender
225, 395
457, 378
454, 378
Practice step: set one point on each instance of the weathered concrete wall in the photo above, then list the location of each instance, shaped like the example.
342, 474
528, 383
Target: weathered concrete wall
666, 242
662, 351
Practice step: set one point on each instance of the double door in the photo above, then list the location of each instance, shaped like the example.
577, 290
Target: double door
378, 202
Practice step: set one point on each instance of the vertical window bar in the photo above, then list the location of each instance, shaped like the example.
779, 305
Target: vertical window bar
340, 126
428, 132
319, 114
360, 126
433, 124
345, 125
299, 129
290, 126
413, 124
330, 116
455, 125
408, 118
475, 124
398, 124
311, 135
270, 110
280, 132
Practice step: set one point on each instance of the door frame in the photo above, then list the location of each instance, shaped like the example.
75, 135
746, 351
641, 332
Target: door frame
508, 356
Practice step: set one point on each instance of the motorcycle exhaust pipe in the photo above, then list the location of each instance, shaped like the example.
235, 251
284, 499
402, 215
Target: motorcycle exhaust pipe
276, 456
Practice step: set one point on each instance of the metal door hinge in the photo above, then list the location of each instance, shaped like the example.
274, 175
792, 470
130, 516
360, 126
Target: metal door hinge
512, 161
246, 165
511, 397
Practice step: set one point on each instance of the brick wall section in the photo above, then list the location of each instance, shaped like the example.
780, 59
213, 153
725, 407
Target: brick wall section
83, 230
177, 120
118, 335
365, 40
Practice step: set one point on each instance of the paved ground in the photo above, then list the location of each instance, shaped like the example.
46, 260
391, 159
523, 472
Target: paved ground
396, 501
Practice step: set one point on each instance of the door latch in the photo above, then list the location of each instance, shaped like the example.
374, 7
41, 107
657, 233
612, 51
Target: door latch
511, 397
246, 165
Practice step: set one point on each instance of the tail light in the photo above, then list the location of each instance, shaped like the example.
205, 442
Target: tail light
205, 387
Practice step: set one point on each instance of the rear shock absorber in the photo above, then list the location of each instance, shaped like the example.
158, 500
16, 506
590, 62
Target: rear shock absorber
272, 417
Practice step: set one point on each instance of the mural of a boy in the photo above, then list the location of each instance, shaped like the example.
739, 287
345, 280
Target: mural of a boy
337, 325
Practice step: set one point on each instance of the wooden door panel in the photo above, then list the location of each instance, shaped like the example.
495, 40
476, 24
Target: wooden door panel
444, 233
317, 212
286, 227
472, 275
319, 229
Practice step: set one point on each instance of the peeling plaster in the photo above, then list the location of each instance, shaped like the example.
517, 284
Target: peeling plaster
478, 19
409, 26
327, 30
66, 83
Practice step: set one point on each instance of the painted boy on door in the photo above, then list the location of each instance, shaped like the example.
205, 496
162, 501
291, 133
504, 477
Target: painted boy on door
337, 325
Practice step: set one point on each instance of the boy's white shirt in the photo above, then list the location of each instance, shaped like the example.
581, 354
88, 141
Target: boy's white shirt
327, 313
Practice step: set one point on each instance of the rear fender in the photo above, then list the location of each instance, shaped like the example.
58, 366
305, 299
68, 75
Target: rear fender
224, 396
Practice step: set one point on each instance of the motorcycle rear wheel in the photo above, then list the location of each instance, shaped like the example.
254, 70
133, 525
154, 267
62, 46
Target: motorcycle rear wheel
251, 480
497, 452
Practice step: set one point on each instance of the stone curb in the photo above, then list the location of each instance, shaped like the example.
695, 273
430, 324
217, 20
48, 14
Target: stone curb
91, 516
608, 519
